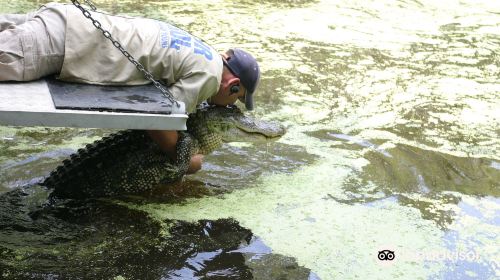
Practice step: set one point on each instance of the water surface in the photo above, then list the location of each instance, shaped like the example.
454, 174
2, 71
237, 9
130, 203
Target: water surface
392, 109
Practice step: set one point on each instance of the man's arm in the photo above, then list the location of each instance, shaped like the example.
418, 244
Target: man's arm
167, 140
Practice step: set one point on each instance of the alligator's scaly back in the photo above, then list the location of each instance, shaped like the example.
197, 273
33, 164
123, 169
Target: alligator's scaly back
125, 162
129, 162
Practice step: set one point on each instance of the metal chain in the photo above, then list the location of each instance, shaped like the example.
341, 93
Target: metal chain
166, 93
91, 5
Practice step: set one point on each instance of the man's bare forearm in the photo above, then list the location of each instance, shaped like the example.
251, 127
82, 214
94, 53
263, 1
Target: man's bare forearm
166, 140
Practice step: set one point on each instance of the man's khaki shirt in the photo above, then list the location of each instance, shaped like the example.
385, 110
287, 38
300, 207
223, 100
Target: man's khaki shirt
191, 69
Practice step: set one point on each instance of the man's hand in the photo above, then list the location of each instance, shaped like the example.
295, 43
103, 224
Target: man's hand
195, 163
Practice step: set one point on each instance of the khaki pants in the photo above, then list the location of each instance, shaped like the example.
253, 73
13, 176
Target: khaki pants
32, 45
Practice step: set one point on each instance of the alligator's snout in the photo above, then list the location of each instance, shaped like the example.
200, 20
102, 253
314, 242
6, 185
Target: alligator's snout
256, 129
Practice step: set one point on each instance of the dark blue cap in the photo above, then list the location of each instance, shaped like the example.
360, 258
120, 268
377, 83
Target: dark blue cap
244, 66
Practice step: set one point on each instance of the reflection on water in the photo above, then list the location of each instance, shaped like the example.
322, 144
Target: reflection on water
393, 123
99, 239
236, 167
413, 170
414, 177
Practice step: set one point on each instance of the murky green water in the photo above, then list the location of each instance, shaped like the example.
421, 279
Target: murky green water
393, 112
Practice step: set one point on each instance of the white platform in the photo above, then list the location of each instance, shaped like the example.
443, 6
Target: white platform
30, 104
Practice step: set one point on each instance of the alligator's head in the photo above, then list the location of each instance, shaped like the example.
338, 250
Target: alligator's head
211, 126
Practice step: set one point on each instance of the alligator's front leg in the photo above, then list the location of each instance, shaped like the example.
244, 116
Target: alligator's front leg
184, 150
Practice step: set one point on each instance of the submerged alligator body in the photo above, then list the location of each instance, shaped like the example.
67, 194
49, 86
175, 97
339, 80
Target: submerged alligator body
129, 162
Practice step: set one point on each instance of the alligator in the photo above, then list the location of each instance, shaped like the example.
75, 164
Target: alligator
129, 162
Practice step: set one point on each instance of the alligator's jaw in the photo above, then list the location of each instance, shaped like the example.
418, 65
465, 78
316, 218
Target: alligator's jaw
252, 131
265, 129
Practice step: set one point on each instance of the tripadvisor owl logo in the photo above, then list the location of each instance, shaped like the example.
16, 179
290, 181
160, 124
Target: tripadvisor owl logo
386, 255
